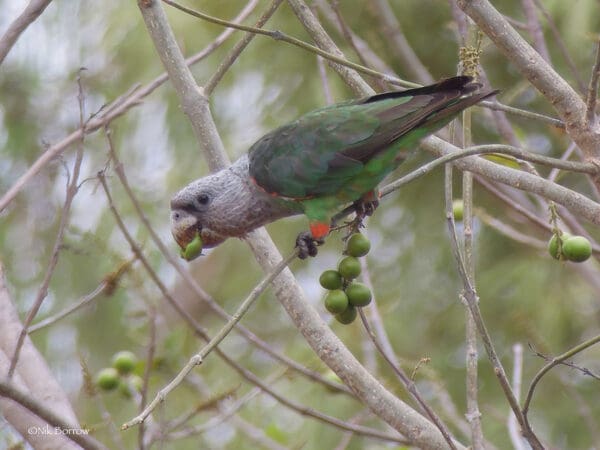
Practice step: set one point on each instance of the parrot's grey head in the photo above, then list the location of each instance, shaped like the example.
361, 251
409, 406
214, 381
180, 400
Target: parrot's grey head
191, 212
205, 207
222, 205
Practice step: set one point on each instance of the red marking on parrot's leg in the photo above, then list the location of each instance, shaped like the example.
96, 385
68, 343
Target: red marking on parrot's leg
371, 196
319, 230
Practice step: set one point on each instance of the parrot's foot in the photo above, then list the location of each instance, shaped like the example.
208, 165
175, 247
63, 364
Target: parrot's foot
307, 245
364, 207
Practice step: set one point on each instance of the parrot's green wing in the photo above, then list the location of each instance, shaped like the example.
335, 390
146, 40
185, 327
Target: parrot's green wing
323, 150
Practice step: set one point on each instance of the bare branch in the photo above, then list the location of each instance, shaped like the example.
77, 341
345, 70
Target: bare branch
509, 231
72, 189
392, 30
535, 29
238, 48
592, 94
408, 383
561, 44
513, 427
555, 361
71, 431
557, 91
113, 111
194, 102
471, 358
33, 10
32, 373
574, 201
335, 58
472, 301
198, 358
105, 287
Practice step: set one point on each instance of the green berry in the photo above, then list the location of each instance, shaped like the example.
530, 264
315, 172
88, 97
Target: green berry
553, 245
577, 248
358, 245
358, 294
347, 316
349, 267
336, 301
133, 383
331, 279
458, 209
193, 249
107, 379
124, 362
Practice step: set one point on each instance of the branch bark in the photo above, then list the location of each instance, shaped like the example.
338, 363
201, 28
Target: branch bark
33, 10
33, 375
558, 92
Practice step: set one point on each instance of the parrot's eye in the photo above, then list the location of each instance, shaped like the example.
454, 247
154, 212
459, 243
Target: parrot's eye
203, 199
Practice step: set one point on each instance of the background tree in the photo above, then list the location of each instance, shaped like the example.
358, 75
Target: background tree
456, 350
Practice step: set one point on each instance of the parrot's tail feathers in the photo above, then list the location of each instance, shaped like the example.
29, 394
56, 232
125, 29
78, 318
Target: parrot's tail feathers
462, 85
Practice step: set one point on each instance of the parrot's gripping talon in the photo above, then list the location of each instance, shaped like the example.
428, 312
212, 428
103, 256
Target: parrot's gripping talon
365, 208
307, 245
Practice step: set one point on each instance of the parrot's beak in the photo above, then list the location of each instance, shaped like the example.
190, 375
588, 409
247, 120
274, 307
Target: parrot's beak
184, 227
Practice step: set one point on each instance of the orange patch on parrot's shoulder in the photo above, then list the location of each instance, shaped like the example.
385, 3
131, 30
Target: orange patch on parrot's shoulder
319, 229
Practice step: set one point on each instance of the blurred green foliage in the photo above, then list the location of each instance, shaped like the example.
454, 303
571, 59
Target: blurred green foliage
526, 296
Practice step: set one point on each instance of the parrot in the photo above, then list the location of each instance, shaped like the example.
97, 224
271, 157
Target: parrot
318, 164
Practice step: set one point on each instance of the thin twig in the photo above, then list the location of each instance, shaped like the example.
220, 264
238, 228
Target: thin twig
583, 370
471, 358
147, 370
513, 427
392, 30
562, 47
71, 191
592, 93
409, 384
497, 106
237, 49
535, 29
472, 301
509, 231
280, 36
109, 113
9, 390
198, 358
31, 12
555, 361
324, 81
565, 156
107, 285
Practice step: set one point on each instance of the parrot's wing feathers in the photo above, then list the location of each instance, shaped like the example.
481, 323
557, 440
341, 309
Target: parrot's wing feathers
323, 150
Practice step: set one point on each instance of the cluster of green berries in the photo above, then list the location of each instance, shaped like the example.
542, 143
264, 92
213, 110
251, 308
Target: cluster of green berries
345, 294
120, 375
563, 246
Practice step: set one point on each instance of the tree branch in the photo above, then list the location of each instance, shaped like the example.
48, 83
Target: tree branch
557, 91
31, 12
65, 429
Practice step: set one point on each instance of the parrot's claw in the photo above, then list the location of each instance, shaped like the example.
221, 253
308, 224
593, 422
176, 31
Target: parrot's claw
365, 208
307, 245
